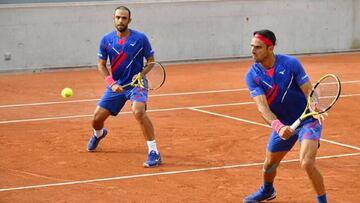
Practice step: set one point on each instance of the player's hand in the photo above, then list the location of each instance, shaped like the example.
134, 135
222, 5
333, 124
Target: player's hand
316, 107
320, 117
116, 88
285, 132
138, 76
138, 80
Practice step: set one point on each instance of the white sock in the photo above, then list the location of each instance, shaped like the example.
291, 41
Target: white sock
152, 146
98, 133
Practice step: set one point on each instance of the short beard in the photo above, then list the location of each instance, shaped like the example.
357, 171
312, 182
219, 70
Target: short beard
256, 60
122, 29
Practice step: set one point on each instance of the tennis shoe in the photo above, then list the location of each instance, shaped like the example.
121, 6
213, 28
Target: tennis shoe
261, 195
94, 141
154, 159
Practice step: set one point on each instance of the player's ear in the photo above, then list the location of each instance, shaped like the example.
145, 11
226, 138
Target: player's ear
271, 48
130, 20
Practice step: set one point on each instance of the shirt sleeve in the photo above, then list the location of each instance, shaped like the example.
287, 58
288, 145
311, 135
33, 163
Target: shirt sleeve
148, 51
253, 85
103, 49
300, 76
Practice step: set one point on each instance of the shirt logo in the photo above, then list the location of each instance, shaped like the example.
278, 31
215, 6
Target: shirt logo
133, 44
282, 72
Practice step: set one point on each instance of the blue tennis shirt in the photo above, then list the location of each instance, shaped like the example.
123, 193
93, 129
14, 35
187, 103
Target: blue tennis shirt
281, 86
126, 55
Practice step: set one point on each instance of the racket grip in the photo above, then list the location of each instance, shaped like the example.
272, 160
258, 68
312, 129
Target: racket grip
127, 85
295, 124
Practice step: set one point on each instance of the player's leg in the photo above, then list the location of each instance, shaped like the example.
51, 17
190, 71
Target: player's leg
276, 150
100, 115
138, 109
309, 137
110, 104
139, 98
272, 161
267, 190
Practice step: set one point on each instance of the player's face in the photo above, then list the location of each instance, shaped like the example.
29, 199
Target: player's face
121, 20
260, 51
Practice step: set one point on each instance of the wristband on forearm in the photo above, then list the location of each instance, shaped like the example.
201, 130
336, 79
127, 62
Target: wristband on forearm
109, 81
277, 125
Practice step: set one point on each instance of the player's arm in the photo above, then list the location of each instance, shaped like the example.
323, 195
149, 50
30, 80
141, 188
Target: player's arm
284, 131
148, 54
306, 88
148, 68
264, 109
102, 68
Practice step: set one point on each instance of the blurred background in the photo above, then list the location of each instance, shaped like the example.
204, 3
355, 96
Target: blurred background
43, 34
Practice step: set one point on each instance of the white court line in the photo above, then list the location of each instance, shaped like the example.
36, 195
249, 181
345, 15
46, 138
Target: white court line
164, 173
47, 103
264, 125
126, 112
151, 95
340, 144
230, 117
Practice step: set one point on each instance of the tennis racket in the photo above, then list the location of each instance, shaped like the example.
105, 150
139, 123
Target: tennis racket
322, 97
152, 77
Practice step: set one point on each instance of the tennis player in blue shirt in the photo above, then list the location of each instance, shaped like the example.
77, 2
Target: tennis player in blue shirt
126, 49
279, 86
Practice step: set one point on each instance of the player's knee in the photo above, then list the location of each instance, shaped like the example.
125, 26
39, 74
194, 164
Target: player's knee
139, 114
307, 164
270, 167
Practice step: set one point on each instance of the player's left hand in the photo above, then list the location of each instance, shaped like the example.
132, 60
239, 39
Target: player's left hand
138, 80
320, 117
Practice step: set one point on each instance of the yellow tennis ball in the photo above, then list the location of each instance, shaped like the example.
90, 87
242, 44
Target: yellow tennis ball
66, 92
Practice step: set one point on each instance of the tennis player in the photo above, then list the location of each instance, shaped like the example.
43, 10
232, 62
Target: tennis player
279, 86
126, 49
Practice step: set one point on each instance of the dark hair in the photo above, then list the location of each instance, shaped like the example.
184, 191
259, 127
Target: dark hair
268, 34
124, 8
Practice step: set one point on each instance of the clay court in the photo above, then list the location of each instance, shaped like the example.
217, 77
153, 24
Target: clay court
211, 137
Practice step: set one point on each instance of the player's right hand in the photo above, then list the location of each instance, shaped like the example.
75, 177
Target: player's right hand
285, 132
116, 88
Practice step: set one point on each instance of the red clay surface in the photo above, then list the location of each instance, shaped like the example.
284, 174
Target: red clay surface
45, 144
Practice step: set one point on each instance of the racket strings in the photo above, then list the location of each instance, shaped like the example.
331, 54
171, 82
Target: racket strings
325, 94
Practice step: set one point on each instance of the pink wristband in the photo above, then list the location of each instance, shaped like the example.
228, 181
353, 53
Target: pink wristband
277, 125
109, 81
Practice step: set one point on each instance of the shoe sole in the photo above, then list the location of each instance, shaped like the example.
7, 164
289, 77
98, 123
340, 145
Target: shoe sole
148, 166
271, 198
91, 150
268, 199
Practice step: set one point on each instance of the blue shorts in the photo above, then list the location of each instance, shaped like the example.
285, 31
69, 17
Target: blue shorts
309, 131
114, 102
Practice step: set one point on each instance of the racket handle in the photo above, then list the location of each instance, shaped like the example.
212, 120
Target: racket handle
295, 124
127, 85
